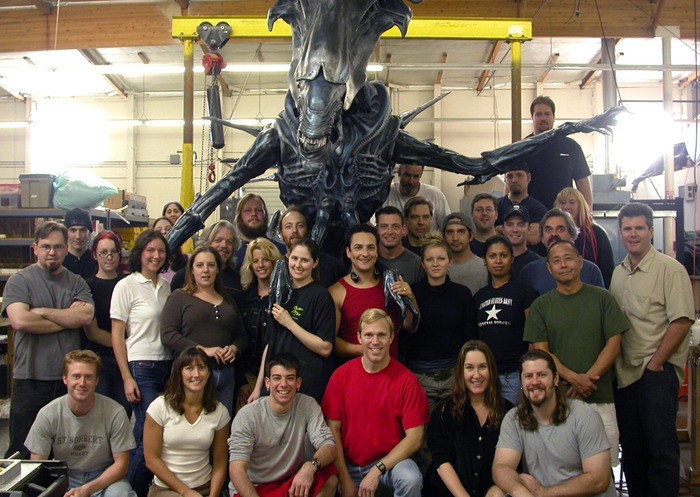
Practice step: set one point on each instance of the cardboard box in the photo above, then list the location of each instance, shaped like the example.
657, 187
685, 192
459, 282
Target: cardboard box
37, 190
124, 198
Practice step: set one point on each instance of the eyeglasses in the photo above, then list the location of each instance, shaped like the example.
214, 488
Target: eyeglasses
107, 253
487, 210
49, 248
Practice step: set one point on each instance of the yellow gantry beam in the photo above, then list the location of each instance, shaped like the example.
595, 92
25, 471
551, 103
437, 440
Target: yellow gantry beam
511, 30
434, 29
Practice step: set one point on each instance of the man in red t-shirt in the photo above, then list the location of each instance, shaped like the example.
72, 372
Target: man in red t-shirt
377, 412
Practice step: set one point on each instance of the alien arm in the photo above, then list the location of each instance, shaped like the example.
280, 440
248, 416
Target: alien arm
263, 154
410, 150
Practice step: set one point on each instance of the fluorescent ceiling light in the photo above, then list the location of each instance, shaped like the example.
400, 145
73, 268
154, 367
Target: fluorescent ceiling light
165, 123
10, 125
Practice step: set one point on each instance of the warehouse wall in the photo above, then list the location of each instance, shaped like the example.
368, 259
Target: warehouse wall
138, 158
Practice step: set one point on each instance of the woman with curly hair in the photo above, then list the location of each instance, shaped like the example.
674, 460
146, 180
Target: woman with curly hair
182, 425
592, 241
463, 430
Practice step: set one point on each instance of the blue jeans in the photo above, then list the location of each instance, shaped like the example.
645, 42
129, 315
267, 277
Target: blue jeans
405, 478
225, 383
151, 377
111, 384
119, 488
646, 417
28, 397
510, 387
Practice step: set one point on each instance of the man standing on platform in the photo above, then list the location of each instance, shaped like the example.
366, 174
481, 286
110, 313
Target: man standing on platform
556, 165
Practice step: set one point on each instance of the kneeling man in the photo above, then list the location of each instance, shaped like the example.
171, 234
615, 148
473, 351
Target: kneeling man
377, 412
88, 431
561, 442
267, 440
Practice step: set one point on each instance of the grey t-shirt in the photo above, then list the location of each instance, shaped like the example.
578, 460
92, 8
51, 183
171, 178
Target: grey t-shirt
85, 443
554, 453
273, 444
40, 357
471, 274
408, 264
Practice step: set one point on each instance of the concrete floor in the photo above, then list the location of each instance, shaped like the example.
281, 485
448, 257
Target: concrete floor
685, 454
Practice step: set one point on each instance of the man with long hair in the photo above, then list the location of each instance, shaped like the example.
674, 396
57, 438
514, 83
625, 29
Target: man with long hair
561, 442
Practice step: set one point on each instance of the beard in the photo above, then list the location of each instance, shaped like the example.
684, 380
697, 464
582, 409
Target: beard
252, 233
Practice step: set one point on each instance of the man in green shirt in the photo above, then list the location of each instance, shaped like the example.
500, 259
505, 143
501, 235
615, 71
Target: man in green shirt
580, 325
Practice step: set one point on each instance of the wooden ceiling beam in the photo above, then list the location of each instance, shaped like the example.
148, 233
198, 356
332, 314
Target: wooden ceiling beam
492, 58
94, 57
657, 17
439, 75
686, 81
97, 25
552, 60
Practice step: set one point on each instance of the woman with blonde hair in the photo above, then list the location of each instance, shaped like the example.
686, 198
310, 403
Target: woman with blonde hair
463, 430
259, 261
592, 241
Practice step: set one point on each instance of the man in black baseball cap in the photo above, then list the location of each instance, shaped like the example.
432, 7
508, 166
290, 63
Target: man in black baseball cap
79, 259
516, 226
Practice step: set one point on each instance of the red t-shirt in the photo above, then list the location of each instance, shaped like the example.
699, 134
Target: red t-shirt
357, 301
374, 409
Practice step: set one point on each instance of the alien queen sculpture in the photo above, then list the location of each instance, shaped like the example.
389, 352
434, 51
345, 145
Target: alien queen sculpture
336, 142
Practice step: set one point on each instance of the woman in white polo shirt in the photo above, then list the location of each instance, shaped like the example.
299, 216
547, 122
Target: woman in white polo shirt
143, 361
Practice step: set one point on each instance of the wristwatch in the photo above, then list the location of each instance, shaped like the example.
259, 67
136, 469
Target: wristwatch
317, 464
380, 466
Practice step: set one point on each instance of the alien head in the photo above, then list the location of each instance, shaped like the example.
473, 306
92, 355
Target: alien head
332, 42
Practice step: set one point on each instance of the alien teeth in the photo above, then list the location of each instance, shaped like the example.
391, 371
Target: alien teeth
313, 142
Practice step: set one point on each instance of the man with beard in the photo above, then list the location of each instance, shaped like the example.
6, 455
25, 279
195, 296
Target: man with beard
584, 345
251, 219
556, 226
561, 442
516, 227
484, 215
79, 259
392, 254
556, 165
517, 182
47, 306
467, 269
293, 226
409, 186
418, 214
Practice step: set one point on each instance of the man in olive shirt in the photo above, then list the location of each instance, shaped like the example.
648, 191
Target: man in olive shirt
655, 294
580, 326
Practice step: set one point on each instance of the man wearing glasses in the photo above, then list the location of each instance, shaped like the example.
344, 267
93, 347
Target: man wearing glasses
46, 305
